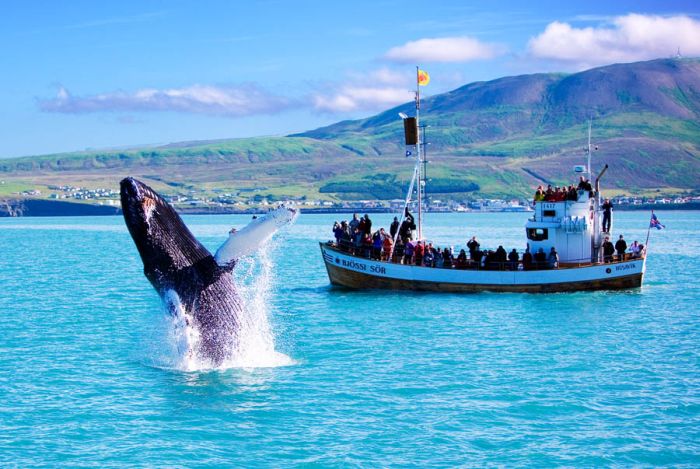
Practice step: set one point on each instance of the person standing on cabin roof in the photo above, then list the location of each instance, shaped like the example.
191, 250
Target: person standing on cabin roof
585, 185
607, 215
621, 247
548, 193
539, 194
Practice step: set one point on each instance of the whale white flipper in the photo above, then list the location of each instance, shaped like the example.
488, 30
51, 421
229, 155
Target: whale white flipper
248, 239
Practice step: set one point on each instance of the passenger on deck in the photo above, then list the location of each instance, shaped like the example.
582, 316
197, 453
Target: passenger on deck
429, 257
489, 260
621, 247
540, 259
387, 244
354, 223
408, 252
607, 215
473, 246
572, 194
527, 259
478, 256
439, 261
501, 257
513, 259
461, 260
345, 239
635, 250
447, 258
368, 224
357, 239
418, 253
398, 251
366, 245
394, 228
608, 250
407, 227
337, 233
377, 240
553, 258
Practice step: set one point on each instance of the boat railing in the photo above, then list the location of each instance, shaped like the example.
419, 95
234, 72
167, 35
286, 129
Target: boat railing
375, 254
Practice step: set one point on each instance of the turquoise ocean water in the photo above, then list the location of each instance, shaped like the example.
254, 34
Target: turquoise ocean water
88, 376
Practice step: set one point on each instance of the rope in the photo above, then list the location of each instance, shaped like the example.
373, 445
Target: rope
405, 207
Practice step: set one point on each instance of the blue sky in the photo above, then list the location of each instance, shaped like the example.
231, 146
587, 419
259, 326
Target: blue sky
79, 75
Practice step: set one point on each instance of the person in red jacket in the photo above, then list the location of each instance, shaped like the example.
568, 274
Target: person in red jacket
418, 253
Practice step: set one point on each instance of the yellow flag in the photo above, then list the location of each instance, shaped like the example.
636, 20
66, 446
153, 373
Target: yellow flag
423, 77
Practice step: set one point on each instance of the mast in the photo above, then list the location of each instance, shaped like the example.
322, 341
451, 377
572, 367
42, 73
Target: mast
419, 157
589, 149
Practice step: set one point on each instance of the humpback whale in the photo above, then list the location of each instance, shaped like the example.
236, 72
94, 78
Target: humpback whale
188, 278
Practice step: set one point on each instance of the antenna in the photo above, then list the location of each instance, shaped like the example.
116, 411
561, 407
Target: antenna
590, 123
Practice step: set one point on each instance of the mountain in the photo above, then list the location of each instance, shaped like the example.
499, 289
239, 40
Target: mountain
493, 138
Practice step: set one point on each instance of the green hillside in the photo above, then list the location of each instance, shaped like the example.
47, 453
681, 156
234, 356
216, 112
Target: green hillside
495, 138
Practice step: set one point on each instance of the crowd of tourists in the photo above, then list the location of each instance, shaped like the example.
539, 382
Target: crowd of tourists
560, 194
618, 251
358, 238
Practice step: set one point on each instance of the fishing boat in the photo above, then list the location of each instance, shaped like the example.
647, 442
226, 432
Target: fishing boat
573, 228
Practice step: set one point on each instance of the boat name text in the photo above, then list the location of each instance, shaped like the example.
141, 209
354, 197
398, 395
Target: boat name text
376, 269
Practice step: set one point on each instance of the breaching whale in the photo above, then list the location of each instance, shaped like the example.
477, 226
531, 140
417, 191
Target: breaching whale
188, 278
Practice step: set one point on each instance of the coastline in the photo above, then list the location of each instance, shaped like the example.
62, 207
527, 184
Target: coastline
57, 208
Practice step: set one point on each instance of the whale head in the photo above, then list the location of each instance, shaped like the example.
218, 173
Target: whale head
164, 242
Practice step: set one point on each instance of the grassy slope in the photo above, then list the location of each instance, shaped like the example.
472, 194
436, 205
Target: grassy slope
505, 136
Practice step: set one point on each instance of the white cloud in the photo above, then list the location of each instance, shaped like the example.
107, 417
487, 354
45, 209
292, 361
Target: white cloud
226, 101
367, 91
445, 49
629, 38
354, 98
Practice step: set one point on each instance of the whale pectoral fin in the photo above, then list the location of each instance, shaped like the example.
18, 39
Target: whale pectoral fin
172, 302
247, 240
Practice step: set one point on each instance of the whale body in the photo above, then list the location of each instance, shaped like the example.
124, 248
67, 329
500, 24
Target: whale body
188, 278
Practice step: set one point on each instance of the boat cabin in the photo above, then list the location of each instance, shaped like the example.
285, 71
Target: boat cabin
568, 226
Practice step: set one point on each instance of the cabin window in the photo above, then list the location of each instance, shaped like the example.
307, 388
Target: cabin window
537, 234
549, 213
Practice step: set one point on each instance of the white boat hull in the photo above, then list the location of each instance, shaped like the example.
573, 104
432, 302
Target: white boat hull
350, 271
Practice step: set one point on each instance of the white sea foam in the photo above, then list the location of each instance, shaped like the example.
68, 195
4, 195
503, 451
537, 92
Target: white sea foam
254, 345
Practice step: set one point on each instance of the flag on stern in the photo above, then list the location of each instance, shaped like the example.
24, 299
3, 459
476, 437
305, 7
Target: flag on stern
655, 223
423, 77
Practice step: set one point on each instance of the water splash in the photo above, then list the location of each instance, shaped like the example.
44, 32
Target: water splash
255, 341
256, 347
